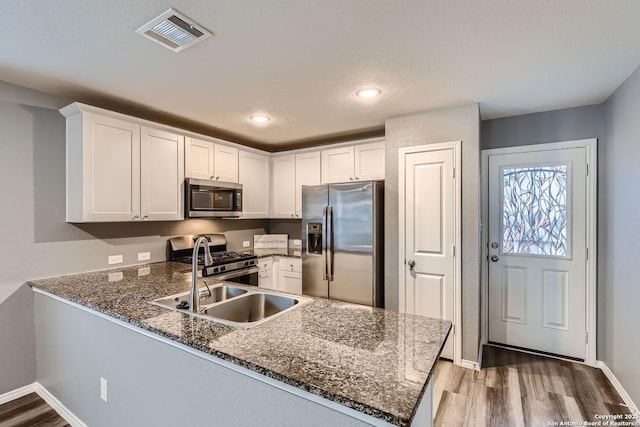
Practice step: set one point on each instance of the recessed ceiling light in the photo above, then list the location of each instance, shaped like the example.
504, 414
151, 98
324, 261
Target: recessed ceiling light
260, 118
368, 93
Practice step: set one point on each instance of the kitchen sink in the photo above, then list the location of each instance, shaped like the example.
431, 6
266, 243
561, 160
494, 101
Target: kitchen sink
218, 293
238, 306
251, 308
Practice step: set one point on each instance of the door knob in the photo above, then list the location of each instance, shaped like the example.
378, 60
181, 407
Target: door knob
411, 264
494, 258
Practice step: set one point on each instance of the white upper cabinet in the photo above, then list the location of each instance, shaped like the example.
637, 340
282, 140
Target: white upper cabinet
118, 170
358, 162
207, 160
226, 163
337, 165
283, 194
289, 174
308, 172
198, 158
103, 169
254, 176
369, 161
161, 175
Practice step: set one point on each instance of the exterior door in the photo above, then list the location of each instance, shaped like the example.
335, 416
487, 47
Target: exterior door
428, 216
537, 250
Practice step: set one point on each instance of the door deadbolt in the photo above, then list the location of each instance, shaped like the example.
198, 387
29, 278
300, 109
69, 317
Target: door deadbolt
494, 245
494, 258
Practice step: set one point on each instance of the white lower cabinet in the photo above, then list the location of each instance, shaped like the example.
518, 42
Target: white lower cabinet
290, 275
265, 273
281, 274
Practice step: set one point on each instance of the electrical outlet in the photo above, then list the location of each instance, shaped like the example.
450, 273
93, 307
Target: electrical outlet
103, 389
144, 256
246, 244
115, 259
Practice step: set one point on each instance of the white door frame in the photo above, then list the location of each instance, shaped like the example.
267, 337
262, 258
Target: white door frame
456, 329
591, 147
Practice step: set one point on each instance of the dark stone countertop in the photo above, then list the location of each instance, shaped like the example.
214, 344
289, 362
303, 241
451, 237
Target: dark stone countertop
375, 361
267, 252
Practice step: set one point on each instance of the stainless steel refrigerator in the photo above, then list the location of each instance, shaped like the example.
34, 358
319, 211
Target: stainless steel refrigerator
343, 242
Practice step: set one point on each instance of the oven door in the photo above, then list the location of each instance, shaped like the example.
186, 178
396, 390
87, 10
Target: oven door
244, 276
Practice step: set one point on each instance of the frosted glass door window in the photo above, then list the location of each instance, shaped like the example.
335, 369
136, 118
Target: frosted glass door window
534, 210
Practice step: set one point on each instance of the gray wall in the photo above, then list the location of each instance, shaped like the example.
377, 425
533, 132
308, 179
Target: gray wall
36, 241
539, 128
151, 383
453, 124
554, 126
619, 243
292, 227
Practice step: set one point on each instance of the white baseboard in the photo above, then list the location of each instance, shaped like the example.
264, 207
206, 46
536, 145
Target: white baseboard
470, 365
47, 397
616, 384
17, 393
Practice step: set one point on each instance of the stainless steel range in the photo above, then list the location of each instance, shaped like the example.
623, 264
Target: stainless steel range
236, 267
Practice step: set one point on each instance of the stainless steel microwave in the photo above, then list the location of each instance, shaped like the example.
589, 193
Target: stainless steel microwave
212, 199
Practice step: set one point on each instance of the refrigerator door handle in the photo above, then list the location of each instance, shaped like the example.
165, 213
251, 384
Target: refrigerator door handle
329, 231
325, 273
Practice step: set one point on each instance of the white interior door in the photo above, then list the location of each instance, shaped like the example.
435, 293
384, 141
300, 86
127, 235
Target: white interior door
537, 250
428, 220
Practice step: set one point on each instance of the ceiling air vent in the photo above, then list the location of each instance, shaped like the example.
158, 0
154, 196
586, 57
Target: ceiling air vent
174, 31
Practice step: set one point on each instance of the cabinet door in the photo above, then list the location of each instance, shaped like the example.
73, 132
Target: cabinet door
369, 161
110, 150
225, 163
308, 172
337, 165
283, 194
162, 174
290, 282
265, 279
198, 158
254, 177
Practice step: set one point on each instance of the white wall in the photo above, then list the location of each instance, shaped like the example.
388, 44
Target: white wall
35, 239
620, 234
452, 124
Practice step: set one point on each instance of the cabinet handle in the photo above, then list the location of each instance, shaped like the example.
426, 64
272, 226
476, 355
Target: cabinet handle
350, 178
217, 178
145, 217
357, 178
212, 177
136, 216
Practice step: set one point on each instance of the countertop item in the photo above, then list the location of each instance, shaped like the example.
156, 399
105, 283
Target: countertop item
375, 361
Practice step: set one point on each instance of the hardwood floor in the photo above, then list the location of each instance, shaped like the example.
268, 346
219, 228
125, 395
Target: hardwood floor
520, 389
29, 411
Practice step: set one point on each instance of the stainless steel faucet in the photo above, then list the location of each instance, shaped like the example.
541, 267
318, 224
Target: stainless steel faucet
194, 292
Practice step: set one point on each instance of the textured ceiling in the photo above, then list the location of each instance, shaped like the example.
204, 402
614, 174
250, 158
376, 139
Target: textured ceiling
300, 61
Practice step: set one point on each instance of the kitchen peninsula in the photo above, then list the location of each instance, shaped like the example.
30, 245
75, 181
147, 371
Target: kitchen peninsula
323, 363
